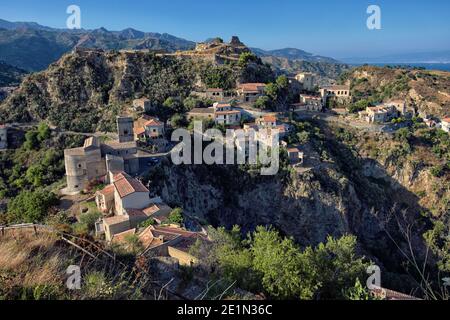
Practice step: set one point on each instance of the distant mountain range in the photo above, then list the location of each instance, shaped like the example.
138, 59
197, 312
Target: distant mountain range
33, 47
423, 57
293, 54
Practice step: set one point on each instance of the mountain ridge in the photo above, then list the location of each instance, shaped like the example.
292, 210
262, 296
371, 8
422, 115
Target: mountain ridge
49, 44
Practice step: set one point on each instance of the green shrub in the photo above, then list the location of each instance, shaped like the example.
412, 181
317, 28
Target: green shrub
176, 216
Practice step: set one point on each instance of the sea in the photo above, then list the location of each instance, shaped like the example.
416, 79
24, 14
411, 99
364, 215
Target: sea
427, 66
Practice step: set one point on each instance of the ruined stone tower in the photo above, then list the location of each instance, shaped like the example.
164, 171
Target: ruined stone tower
125, 129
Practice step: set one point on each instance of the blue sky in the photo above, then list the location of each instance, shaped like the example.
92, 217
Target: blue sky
334, 28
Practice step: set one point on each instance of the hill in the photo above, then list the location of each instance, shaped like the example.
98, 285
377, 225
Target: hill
293, 54
85, 89
429, 91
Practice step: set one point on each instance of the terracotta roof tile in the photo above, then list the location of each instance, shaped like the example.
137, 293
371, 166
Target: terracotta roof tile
153, 123
107, 190
252, 87
270, 118
115, 220
125, 185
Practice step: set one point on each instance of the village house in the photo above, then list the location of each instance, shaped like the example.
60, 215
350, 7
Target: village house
307, 79
340, 91
130, 203
388, 111
225, 114
215, 94
90, 163
271, 122
445, 124
309, 103
3, 136
154, 128
295, 156
379, 114
250, 92
267, 121
142, 105
402, 108
220, 113
171, 242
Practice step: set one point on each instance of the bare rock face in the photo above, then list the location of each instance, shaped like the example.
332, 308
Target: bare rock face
236, 42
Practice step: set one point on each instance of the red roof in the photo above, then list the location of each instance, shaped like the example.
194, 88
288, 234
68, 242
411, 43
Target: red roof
107, 190
125, 185
153, 123
446, 120
139, 131
270, 118
220, 113
252, 87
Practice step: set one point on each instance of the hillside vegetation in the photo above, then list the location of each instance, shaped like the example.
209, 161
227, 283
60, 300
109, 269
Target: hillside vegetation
429, 91
84, 91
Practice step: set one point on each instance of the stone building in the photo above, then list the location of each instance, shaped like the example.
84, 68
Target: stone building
307, 79
309, 103
125, 129
83, 165
340, 91
250, 92
94, 160
215, 94
3, 137
142, 105
225, 114
380, 114
220, 113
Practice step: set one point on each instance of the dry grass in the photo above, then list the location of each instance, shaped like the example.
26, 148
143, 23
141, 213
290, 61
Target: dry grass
35, 258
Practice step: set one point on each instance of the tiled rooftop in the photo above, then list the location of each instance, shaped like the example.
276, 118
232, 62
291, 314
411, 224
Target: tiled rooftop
125, 185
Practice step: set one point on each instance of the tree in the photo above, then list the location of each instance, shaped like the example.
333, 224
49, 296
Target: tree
178, 121
282, 82
358, 106
358, 292
31, 140
246, 57
272, 91
263, 103
30, 207
44, 132
176, 216
286, 272
338, 266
